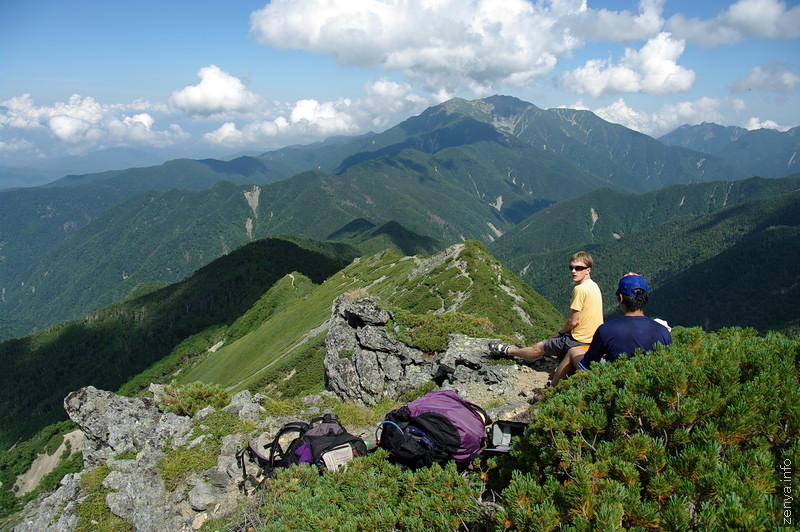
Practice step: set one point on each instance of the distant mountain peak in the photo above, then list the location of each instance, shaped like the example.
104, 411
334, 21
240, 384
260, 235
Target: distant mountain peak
502, 112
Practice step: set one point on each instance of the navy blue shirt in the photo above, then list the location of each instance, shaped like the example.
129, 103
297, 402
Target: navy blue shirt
623, 336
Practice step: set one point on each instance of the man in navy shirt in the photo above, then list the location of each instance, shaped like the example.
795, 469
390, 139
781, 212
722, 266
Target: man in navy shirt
623, 336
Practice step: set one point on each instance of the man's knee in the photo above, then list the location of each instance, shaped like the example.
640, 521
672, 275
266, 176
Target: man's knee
576, 354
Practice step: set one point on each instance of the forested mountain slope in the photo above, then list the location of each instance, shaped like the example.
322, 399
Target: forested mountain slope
459, 170
252, 319
733, 267
607, 215
764, 152
108, 347
35, 220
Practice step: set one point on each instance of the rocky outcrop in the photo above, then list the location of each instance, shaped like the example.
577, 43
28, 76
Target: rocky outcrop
113, 425
365, 362
130, 437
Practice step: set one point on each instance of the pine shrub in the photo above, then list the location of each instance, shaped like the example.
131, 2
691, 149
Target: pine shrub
189, 399
371, 494
688, 437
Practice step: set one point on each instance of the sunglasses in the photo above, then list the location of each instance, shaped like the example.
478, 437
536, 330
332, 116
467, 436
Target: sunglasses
578, 268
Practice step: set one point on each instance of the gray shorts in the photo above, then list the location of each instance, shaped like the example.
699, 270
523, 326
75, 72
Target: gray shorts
559, 345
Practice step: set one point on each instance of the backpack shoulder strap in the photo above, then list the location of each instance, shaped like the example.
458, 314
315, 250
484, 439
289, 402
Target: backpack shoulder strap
276, 452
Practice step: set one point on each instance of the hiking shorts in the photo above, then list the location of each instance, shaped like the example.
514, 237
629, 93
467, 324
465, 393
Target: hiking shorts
559, 345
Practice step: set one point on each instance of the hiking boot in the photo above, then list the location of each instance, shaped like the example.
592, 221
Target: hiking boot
498, 350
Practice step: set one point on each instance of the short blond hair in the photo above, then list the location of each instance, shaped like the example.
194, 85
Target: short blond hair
583, 257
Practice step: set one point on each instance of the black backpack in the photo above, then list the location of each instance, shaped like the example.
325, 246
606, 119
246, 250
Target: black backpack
322, 442
437, 427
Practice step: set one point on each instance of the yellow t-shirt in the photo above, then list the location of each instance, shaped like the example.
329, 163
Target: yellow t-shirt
587, 299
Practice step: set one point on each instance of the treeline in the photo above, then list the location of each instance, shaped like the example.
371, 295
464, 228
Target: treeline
111, 345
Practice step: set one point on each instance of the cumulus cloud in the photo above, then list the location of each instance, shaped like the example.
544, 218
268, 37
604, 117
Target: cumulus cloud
217, 93
746, 18
83, 120
607, 25
773, 77
666, 119
385, 102
226, 135
446, 44
757, 123
651, 70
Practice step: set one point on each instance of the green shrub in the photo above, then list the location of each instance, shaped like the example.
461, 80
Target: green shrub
429, 332
189, 399
371, 494
417, 392
688, 437
178, 464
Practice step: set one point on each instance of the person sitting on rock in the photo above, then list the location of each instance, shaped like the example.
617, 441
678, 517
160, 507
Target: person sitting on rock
572, 340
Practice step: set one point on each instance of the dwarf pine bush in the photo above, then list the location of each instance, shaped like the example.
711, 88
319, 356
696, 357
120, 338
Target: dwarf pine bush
189, 399
688, 437
371, 494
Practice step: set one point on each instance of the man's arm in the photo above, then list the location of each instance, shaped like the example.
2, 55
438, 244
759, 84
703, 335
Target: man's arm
572, 321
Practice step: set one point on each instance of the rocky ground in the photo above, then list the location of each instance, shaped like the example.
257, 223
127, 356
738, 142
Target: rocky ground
364, 363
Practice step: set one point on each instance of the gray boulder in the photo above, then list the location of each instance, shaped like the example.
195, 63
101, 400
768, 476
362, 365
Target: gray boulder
365, 362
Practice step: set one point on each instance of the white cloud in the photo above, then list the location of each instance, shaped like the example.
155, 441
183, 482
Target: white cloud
385, 102
651, 70
446, 44
226, 135
328, 118
87, 123
607, 25
143, 120
20, 112
72, 129
746, 18
16, 145
666, 119
757, 123
773, 77
217, 93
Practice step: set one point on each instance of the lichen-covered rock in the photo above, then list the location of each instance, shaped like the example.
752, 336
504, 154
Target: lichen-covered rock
114, 424
53, 511
364, 362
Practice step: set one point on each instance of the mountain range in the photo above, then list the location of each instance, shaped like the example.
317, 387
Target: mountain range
763, 152
460, 170
459, 220
176, 271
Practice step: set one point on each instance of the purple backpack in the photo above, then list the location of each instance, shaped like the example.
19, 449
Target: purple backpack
437, 427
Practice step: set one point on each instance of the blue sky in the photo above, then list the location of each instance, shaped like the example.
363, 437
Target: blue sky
210, 78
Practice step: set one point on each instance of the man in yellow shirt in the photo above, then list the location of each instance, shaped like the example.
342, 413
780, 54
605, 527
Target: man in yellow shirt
574, 337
